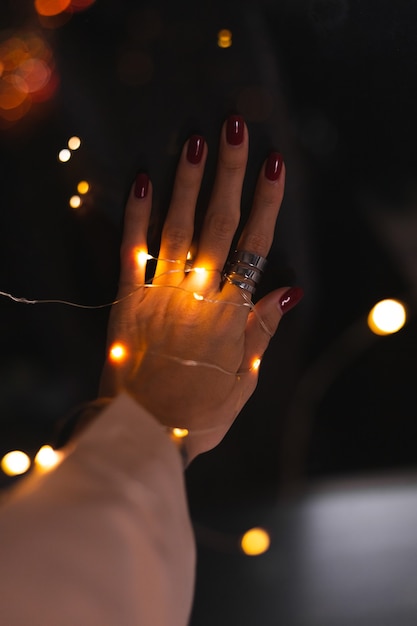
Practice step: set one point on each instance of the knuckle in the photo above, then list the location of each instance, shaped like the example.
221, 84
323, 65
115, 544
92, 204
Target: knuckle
257, 243
175, 237
222, 226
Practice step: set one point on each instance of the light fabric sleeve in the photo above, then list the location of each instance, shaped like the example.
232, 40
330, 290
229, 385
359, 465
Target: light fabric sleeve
105, 539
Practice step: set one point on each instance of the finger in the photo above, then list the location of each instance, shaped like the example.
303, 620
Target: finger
178, 229
263, 323
222, 218
258, 232
134, 242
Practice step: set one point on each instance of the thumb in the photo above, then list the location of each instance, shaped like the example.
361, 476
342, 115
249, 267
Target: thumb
265, 317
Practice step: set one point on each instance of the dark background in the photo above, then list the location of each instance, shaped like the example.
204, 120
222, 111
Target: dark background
332, 85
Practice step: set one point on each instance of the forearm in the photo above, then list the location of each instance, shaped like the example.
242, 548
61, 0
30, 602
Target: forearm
107, 533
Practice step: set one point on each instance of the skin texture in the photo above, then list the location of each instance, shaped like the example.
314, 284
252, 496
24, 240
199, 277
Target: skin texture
172, 340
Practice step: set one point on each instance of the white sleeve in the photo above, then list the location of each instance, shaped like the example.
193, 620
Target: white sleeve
105, 539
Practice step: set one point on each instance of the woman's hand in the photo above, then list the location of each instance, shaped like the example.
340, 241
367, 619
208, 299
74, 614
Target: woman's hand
187, 346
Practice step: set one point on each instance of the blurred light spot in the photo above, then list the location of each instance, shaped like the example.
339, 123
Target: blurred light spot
255, 364
83, 187
51, 7
180, 433
34, 73
135, 67
15, 463
64, 155
198, 296
47, 458
387, 317
75, 202
224, 38
117, 353
74, 143
255, 541
142, 257
189, 255
255, 103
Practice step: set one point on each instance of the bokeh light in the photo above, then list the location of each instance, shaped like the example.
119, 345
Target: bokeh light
83, 187
224, 38
255, 541
64, 155
180, 433
51, 7
75, 202
47, 458
117, 353
256, 364
74, 143
26, 73
15, 463
387, 317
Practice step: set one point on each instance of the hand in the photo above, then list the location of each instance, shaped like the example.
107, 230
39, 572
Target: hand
190, 342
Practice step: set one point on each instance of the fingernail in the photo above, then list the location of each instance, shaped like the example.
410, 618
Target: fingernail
290, 298
141, 185
235, 129
195, 149
273, 166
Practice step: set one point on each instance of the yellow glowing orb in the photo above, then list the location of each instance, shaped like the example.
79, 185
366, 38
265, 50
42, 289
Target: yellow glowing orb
387, 317
74, 143
255, 541
224, 38
15, 463
64, 155
117, 352
142, 257
83, 187
47, 458
256, 363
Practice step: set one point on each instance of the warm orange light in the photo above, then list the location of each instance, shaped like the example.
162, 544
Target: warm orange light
255, 364
387, 317
198, 296
83, 187
74, 143
51, 7
142, 257
75, 202
15, 463
255, 541
180, 433
117, 353
47, 458
224, 38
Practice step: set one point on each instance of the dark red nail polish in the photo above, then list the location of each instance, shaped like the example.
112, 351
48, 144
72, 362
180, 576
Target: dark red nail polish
141, 185
273, 166
235, 128
290, 298
195, 149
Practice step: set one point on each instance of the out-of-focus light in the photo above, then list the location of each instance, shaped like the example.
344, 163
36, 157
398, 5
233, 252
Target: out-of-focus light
199, 270
15, 463
255, 364
51, 7
255, 541
117, 353
47, 458
387, 317
83, 187
189, 255
64, 155
180, 433
224, 38
75, 202
198, 296
74, 143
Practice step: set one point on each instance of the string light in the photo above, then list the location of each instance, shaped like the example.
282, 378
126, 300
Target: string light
15, 463
75, 202
255, 364
83, 187
224, 38
64, 155
47, 458
117, 353
74, 143
180, 433
387, 317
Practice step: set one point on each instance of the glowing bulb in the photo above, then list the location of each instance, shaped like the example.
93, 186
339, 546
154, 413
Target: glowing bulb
189, 255
117, 353
224, 38
47, 458
74, 143
255, 364
143, 257
198, 296
255, 541
15, 463
199, 270
64, 155
180, 433
83, 187
387, 317
75, 202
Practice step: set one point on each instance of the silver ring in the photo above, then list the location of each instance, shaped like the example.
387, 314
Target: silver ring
245, 270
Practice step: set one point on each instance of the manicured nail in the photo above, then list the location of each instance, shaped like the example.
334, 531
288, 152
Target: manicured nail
290, 298
273, 166
141, 185
235, 129
195, 149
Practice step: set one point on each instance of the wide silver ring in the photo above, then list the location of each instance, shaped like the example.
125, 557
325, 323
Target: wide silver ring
245, 270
